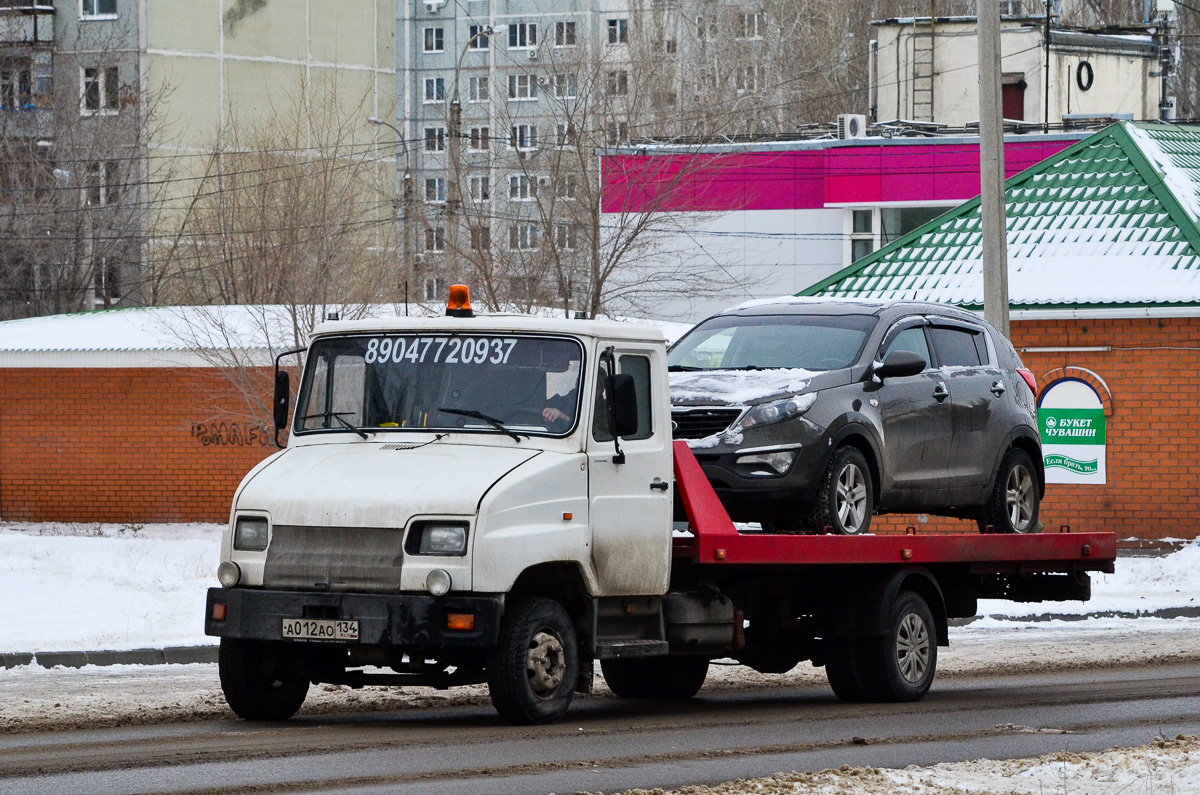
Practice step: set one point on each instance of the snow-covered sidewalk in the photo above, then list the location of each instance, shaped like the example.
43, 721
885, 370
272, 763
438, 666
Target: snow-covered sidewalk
88, 587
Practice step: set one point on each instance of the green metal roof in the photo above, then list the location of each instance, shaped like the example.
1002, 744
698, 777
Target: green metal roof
1110, 221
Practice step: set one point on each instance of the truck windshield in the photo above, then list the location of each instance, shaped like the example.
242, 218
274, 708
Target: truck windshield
489, 383
807, 342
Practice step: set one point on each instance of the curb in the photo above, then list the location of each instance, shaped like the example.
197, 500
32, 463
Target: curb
171, 655
1166, 612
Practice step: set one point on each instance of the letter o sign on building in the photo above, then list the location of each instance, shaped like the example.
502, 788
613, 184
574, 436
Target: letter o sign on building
1084, 75
1073, 428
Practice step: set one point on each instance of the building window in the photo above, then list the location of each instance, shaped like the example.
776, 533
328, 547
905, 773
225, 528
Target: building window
566, 186
478, 37
522, 35
100, 90
566, 237
618, 132
522, 188
477, 89
481, 238
433, 288
15, 86
564, 34
480, 188
668, 46
435, 89
480, 139
98, 8
435, 139
107, 277
862, 233
522, 87
565, 86
618, 83
750, 78
102, 183
524, 137
522, 237
566, 134
752, 26
435, 239
435, 40
618, 31
435, 190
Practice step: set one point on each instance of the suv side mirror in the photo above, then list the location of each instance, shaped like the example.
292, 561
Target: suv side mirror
282, 393
901, 363
624, 405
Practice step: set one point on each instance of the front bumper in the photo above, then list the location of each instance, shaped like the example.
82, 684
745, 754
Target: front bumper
404, 620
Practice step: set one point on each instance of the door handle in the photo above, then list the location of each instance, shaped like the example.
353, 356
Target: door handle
940, 393
660, 485
998, 388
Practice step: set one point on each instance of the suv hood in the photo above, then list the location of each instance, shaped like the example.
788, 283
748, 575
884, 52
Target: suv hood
738, 387
376, 485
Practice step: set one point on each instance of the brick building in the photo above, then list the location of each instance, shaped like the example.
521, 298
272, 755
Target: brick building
1104, 284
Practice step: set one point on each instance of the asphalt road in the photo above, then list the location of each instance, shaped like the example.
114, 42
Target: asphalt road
608, 744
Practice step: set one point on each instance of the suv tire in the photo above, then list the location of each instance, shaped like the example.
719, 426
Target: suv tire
844, 499
1013, 504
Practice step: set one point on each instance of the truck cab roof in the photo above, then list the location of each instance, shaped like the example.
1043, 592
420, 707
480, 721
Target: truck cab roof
607, 329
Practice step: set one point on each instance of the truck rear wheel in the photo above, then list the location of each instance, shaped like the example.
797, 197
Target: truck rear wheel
906, 657
533, 669
668, 678
259, 680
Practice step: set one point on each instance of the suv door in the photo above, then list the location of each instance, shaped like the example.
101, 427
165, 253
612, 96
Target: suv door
976, 389
915, 418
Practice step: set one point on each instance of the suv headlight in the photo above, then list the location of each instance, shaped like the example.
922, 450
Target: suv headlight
780, 410
250, 533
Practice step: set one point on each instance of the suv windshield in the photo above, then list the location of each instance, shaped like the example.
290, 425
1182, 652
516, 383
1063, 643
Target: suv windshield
501, 383
808, 342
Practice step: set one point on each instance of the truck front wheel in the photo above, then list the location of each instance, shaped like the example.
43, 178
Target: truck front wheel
533, 669
259, 680
674, 678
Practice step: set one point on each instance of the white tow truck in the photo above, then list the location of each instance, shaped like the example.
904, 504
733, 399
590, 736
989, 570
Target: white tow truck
491, 499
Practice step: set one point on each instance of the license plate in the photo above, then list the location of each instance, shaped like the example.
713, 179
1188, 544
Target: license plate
320, 629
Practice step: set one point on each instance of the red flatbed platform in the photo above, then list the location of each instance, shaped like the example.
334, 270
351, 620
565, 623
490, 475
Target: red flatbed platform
716, 541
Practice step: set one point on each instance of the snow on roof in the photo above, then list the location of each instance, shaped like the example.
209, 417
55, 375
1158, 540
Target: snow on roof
1110, 221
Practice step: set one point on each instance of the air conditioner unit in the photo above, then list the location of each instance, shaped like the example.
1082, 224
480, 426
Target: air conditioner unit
433, 6
851, 125
543, 80
543, 182
533, 55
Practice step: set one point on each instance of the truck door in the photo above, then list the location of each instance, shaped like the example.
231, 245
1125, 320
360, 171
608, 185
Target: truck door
631, 501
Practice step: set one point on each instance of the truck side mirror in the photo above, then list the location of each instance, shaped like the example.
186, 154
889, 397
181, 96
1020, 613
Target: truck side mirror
901, 363
282, 395
625, 413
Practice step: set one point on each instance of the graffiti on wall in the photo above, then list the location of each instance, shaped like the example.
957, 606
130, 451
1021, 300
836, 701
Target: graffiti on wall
231, 434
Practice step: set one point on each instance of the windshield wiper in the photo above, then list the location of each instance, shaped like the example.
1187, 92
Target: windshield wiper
749, 367
337, 415
683, 368
479, 415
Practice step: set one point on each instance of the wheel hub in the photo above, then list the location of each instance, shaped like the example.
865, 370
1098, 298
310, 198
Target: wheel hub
851, 498
546, 664
1019, 498
912, 647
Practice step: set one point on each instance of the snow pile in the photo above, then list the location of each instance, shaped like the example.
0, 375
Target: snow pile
736, 387
1167, 766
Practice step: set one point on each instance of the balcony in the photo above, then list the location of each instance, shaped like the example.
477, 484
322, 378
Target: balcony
26, 21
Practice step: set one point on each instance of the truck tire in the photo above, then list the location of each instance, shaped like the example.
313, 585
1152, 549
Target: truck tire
844, 500
845, 668
1013, 504
664, 678
904, 660
259, 680
531, 673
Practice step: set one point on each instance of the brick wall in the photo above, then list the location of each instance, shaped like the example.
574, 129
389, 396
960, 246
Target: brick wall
1153, 489
123, 444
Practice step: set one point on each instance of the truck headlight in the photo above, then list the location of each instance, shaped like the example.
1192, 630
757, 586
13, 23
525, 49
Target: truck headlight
228, 574
778, 411
442, 538
250, 534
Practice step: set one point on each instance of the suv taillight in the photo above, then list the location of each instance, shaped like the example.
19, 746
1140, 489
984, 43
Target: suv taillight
1029, 379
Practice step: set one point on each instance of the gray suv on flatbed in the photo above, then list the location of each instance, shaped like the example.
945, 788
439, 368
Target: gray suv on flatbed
813, 415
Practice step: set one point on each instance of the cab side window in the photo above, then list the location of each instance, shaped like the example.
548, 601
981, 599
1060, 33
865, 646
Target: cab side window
912, 340
959, 347
639, 368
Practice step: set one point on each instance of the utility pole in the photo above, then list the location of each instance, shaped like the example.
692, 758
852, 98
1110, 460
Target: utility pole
1046, 82
991, 168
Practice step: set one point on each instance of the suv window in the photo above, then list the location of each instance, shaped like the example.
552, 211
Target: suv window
911, 339
809, 342
958, 347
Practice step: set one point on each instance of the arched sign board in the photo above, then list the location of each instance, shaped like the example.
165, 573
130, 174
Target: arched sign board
1073, 428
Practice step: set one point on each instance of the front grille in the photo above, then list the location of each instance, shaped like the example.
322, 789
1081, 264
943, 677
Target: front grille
696, 423
362, 559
